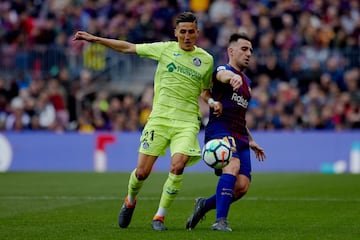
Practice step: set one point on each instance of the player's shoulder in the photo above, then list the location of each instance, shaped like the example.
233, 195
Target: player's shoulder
170, 45
162, 44
222, 67
154, 48
200, 50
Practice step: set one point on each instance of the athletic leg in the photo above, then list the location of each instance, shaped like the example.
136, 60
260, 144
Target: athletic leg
171, 189
241, 187
136, 181
225, 193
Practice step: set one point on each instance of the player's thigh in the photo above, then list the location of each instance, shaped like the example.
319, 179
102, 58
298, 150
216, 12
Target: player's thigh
154, 140
243, 153
233, 167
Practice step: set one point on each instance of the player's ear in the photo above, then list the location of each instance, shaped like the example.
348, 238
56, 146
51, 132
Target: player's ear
175, 32
230, 51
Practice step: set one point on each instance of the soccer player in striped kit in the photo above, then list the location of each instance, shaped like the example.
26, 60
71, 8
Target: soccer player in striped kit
231, 87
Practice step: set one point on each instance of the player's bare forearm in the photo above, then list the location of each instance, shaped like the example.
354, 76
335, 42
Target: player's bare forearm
117, 45
249, 134
217, 106
259, 151
226, 76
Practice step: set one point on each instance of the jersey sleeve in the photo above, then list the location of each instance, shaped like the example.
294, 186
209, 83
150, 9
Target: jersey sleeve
216, 70
151, 50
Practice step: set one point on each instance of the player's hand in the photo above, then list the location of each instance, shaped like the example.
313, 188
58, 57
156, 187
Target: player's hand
218, 107
81, 35
259, 152
236, 81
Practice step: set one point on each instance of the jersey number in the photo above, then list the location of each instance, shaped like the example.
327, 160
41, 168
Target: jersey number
149, 135
230, 140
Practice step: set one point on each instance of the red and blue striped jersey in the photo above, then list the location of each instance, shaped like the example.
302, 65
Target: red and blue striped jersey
232, 120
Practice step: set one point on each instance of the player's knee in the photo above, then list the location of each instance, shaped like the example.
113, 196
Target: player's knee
141, 173
177, 168
238, 193
177, 171
241, 189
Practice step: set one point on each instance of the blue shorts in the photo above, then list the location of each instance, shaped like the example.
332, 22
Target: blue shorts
242, 151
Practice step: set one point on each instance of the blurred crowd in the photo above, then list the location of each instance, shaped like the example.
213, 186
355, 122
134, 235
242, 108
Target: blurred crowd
305, 68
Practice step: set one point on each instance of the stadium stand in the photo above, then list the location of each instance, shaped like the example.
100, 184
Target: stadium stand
305, 67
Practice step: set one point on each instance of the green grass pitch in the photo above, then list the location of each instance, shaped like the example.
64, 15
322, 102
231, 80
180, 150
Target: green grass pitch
82, 205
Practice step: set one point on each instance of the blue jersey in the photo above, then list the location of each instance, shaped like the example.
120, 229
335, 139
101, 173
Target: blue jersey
232, 120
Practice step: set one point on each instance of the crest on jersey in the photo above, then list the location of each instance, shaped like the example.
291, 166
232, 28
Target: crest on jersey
145, 145
197, 62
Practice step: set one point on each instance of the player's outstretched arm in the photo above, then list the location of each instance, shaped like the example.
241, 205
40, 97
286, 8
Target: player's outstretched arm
227, 76
118, 45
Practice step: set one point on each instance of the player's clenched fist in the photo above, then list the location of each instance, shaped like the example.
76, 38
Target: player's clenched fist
81, 35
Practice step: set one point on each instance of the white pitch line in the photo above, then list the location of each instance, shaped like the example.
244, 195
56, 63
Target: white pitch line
107, 198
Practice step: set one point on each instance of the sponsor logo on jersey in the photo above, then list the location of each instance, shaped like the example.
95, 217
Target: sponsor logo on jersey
177, 54
183, 70
171, 67
240, 100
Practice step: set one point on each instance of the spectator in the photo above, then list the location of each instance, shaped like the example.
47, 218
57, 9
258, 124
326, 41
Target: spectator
4, 102
18, 119
57, 99
299, 42
220, 10
145, 105
352, 83
46, 112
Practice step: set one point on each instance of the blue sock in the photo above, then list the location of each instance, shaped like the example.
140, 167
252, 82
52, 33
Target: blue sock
210, 203
224, 195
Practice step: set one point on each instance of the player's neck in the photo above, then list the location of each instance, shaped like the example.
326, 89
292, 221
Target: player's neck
237, 68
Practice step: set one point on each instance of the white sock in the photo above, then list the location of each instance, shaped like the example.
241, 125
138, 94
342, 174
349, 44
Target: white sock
161, 212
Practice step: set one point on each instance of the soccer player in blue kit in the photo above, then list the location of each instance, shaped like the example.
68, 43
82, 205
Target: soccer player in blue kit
231, 87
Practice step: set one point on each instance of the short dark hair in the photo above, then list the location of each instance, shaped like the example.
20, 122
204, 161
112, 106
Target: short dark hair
236, 36
186, 17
